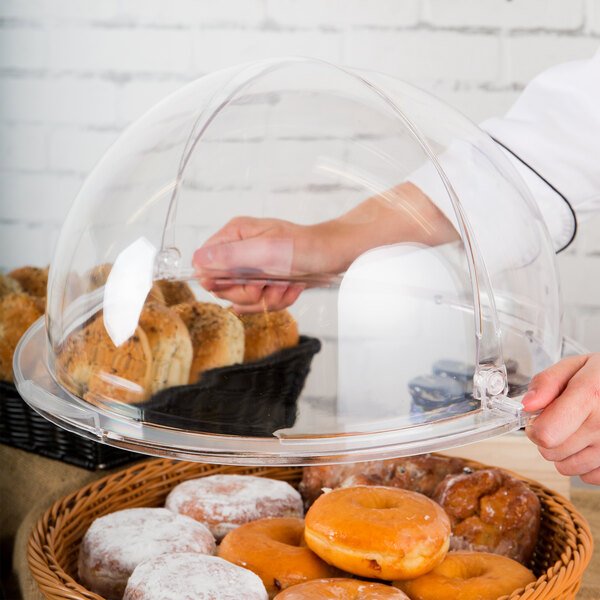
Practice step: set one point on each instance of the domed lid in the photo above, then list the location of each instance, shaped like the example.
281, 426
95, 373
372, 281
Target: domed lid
290, 262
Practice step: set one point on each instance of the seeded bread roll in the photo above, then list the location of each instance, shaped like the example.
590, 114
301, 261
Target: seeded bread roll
170, 345
8, 285
17, 313
90, 365
268, 332
175, 292
33, 280
217, 336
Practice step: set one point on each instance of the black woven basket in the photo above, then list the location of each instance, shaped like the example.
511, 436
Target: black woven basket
22, 427
251, 399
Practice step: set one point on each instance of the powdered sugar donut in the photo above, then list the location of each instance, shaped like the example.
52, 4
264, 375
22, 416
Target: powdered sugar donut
222, 502
115, 544
189, 576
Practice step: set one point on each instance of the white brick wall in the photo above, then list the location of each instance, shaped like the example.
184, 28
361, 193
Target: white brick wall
73, 73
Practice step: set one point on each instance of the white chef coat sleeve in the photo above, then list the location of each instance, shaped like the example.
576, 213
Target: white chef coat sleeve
552, 135
552, 138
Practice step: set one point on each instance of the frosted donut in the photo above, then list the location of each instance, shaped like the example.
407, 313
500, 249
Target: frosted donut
188, 576
469, 575
275, 550
378, 532
115, 544
223, 502
341, 589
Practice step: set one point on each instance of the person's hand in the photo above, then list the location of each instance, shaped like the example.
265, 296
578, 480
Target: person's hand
250, 247
567, 432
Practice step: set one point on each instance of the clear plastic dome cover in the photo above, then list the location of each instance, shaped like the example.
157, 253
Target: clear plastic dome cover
400, 281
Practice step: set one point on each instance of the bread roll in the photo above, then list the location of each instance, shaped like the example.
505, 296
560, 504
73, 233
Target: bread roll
170, 345
175, 292
217, 336
33, 280
17, 313
268, 332
90, 366
8, 285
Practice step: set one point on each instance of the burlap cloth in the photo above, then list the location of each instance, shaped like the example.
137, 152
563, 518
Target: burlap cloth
29, 484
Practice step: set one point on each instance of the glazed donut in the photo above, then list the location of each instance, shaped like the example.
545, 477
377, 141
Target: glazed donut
275, 550
479, 575
191, 576
223, 502
417, 473
378, 532
115, 544
341, 589
491, 511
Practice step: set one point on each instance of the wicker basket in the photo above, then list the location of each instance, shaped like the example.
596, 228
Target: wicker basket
563, 550
23, 428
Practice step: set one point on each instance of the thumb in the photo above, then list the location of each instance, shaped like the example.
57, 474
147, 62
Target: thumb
549, 384
262, 255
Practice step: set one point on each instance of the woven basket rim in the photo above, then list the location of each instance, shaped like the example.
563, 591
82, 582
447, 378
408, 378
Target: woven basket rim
562, 578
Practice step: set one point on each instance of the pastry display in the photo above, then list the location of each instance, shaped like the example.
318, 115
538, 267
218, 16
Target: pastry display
469, 575
418, 473
223, 502
115, 544
491, 511
341, 589
378, 532
17, 312
274, 549
268, 332
190, 576
217, 336
33, 280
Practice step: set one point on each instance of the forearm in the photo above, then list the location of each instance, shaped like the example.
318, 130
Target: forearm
402, 214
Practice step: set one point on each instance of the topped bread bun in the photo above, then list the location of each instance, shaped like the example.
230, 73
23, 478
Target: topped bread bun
175, 292
17, 313
33, 280
8, 285
170, 345
268, 332
217, 336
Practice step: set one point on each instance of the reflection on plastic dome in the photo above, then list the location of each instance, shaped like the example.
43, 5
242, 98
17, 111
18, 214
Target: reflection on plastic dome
294, 251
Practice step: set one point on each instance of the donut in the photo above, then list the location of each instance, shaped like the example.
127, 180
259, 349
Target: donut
491, 511
217, 336
477, 575
341, 589
170, 346
92, 367
378, 532
190, 576
33, 280
116, 543
275, 550
268, 332
417, 473
17, 313
223, 502
175, 292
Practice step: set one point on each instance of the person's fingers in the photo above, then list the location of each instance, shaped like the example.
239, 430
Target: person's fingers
549, 384
289, 297
576, 443
241, 294
592, 477
563, 417
582, 462
246, 257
